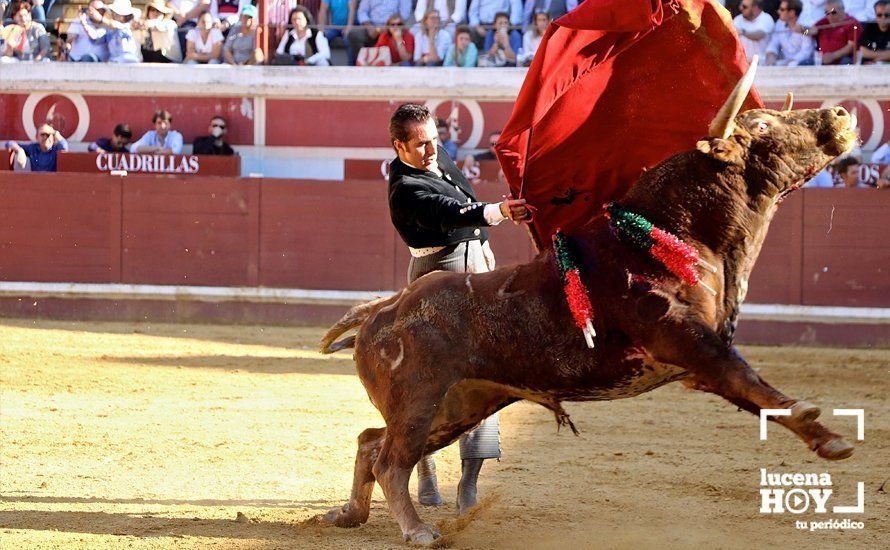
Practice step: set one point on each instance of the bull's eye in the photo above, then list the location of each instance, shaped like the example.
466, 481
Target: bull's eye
762, 126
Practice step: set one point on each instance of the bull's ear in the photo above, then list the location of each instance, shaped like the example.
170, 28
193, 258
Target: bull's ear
724, 150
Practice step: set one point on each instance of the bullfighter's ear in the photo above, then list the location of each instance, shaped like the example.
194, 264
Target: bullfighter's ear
725, 150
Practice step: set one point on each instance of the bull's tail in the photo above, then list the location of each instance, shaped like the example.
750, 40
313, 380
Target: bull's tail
353, 318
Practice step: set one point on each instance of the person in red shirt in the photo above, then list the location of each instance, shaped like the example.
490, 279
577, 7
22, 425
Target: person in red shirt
399, 41
837, 34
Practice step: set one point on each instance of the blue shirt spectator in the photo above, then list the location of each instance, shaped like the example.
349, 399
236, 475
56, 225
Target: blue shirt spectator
163, 140
41, 155
378, 11
482, 12
555, 8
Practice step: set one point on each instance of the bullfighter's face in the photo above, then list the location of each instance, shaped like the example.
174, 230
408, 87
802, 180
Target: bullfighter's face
779, 151
420, 149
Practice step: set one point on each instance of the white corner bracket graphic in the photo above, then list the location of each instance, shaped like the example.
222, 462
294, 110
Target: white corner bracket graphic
860, 502
860, 420
764, 413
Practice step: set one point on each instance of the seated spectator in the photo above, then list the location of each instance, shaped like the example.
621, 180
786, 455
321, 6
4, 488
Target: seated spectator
847, 170
874, 46
26, 40
373, 15
241, 47
837, 33
119, 142
861, 10
490, 153
214, 143
450, 19
86, 36
122, 45
882, 154
399, 41
340, 13
187, 12
483, 14
884, 179
532, 38
432, 42
554, 8
445, 138
41, 155
277, 14
789, 47
38, 10
302, 44
157, 34
823, 179
754, 27
163, 140
203, 43
463, 52
501, 44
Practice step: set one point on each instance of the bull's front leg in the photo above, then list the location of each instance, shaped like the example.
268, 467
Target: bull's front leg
719, 369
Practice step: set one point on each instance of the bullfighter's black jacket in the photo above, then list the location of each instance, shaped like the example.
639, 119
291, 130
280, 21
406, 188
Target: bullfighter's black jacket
428, 210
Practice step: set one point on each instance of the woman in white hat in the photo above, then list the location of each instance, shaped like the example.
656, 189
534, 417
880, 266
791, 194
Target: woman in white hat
122, 46
157, 34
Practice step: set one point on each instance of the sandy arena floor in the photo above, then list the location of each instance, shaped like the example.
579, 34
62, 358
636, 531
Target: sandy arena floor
162, 436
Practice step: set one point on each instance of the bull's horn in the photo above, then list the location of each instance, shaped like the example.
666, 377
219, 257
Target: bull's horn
722, 125
789, 102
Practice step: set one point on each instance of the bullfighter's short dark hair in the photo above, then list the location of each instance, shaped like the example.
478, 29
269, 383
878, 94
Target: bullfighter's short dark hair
406, 116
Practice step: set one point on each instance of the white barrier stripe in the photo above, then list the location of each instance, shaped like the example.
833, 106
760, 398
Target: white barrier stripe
749, 312
196, 293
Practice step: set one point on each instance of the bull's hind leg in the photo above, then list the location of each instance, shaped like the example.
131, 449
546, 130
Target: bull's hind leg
355, 512
403, 447
717, 368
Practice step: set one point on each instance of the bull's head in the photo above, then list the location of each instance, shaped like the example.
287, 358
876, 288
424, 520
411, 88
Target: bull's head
777, 151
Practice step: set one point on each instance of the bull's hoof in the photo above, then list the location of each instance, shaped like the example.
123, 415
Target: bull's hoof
835, 449
422, 536
803, 411
343, 517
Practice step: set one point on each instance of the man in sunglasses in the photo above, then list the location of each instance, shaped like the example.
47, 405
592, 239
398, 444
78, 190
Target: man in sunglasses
837, 34
213, 144
754, 27
873, 46
787, 47
41, 155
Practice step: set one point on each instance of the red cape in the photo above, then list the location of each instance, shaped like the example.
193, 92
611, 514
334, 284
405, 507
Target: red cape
616, 87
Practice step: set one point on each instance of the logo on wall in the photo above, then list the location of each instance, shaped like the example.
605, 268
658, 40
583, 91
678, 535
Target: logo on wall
166, 164
67, 113
470, 130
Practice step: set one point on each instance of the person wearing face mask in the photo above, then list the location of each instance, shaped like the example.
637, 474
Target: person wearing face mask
213, 144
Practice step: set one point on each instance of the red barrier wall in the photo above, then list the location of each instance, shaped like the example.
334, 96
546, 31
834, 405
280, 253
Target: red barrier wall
825, 247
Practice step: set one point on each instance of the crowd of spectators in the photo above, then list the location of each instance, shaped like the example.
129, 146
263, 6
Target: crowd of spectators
461, 33
801, 34
41, 156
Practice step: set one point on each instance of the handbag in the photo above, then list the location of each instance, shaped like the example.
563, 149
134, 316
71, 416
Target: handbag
375, 56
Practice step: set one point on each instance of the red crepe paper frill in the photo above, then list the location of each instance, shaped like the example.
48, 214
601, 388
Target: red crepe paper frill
576, 296
678, 257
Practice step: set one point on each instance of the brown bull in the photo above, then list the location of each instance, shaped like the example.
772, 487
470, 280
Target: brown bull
451, 349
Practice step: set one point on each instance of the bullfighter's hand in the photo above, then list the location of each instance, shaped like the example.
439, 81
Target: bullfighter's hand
514, 209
